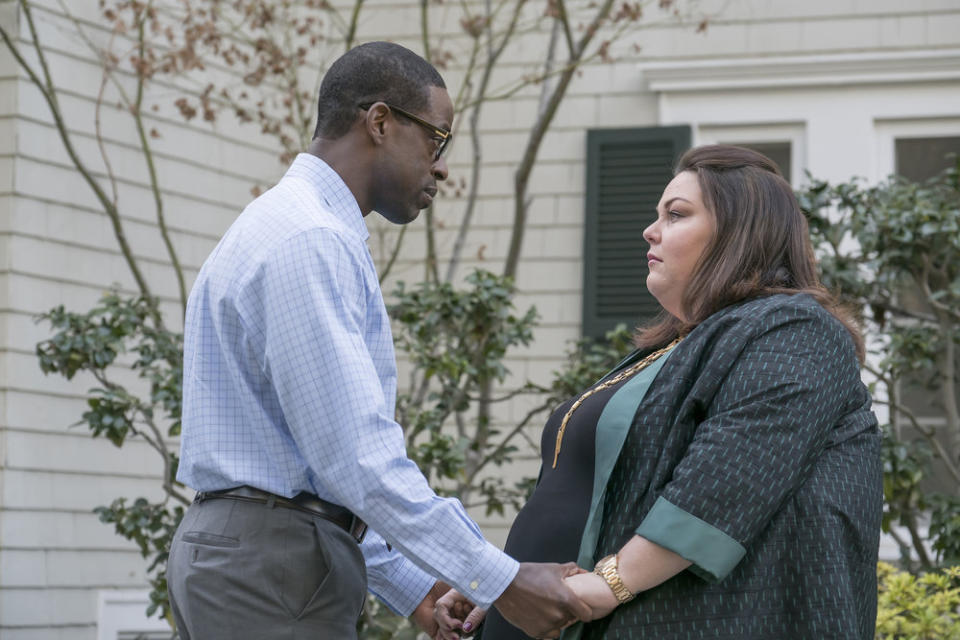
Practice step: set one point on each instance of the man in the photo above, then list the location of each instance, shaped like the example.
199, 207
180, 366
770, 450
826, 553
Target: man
289, 386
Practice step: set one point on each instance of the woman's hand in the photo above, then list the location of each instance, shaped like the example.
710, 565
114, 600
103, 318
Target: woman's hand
595, 592
453, 613
423, 615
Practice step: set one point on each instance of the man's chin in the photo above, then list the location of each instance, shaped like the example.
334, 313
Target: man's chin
401, 217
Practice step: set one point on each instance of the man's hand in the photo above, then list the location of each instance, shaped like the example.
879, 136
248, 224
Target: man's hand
538, 601
594, 591
456, 616
423, 615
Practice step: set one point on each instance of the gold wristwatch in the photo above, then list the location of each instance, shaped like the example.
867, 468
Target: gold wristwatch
607, 569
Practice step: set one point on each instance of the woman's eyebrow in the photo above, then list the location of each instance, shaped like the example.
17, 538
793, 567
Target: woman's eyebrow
666, 205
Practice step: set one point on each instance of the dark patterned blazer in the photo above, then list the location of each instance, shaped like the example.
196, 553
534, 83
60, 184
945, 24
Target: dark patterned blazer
755, 455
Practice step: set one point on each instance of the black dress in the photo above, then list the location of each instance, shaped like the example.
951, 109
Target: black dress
550, 525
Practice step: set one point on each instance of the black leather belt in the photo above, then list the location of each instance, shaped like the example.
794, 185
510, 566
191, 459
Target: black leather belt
306, 502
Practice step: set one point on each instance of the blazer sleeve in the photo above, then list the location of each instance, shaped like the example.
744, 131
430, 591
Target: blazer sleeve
763, 430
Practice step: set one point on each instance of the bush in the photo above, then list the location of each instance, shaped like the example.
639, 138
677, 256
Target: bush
924, 607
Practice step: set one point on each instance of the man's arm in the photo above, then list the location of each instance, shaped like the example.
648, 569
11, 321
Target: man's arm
317, 343
317, 355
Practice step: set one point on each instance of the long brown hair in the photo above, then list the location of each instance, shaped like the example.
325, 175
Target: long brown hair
761, 245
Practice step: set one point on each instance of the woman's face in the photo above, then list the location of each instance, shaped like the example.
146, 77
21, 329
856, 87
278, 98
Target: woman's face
678, 238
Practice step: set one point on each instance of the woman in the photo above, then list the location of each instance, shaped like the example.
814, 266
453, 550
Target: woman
724, 481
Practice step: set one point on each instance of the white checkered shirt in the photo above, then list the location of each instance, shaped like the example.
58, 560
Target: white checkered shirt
289, 385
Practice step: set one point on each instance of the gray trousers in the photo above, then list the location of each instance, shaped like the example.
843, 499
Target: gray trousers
246, 571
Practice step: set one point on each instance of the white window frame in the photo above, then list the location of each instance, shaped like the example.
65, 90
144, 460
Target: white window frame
888, 130
792, 132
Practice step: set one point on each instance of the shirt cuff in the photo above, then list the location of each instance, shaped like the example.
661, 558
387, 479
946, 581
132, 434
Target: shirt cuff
489, 577
713, 553
392, 578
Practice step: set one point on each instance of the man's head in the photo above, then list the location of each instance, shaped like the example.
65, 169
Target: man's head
383, 118
368, 73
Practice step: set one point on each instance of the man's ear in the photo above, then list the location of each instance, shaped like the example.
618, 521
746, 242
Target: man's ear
376, 123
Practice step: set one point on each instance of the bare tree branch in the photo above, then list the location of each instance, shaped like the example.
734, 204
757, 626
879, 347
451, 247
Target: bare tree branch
898, 410
46, 88
393, 254
513, 432
431, 272
352, 27
911, 524
494, 51
98, 129
948, 382
137, 112
425, 29
565, 23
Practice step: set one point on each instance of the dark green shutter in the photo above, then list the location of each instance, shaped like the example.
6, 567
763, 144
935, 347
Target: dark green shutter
627, 170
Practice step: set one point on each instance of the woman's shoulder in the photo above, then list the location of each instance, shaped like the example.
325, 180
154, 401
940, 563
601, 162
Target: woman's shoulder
780, 326
782, 313
777, 307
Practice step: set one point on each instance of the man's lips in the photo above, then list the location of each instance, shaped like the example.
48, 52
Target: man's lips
431, 193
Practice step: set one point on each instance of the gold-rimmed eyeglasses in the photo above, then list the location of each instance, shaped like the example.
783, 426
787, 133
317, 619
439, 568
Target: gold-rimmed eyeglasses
440, 136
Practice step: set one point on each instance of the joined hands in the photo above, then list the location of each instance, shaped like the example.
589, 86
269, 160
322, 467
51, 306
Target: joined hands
542, 600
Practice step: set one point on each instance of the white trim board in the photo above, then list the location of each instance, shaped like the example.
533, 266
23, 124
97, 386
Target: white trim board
928, 65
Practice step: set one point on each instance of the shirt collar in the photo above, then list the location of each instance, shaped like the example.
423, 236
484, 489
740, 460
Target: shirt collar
331, 190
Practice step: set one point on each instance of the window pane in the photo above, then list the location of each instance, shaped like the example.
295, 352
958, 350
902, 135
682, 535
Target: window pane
779, 152
920, 158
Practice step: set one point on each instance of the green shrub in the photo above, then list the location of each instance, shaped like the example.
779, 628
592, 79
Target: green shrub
912, 607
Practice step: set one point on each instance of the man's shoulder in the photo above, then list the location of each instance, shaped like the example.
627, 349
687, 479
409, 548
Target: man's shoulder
286, 213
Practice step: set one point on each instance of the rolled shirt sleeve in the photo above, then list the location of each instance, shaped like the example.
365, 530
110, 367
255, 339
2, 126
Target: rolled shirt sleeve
762, 432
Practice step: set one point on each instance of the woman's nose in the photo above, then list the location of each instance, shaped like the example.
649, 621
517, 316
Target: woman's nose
649, 234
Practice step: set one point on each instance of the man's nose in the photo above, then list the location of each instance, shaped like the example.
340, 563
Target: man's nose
440, 169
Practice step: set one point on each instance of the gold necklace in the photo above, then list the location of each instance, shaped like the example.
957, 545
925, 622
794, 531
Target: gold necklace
626, 373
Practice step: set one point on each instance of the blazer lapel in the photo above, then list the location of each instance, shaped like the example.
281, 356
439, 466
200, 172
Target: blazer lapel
612, 428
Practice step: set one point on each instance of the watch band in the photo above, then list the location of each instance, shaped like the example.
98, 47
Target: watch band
607, 569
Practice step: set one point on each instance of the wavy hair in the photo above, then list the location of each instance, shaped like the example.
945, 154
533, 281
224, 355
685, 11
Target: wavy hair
761, 245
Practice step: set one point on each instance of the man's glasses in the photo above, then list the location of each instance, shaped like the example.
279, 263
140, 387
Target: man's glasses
440, 136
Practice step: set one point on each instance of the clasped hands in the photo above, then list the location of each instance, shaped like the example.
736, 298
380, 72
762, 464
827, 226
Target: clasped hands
542, 600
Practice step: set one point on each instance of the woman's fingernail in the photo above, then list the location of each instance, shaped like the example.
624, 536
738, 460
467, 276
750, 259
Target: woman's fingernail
468, 626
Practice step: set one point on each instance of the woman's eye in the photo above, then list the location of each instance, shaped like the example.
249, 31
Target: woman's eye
673, 215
